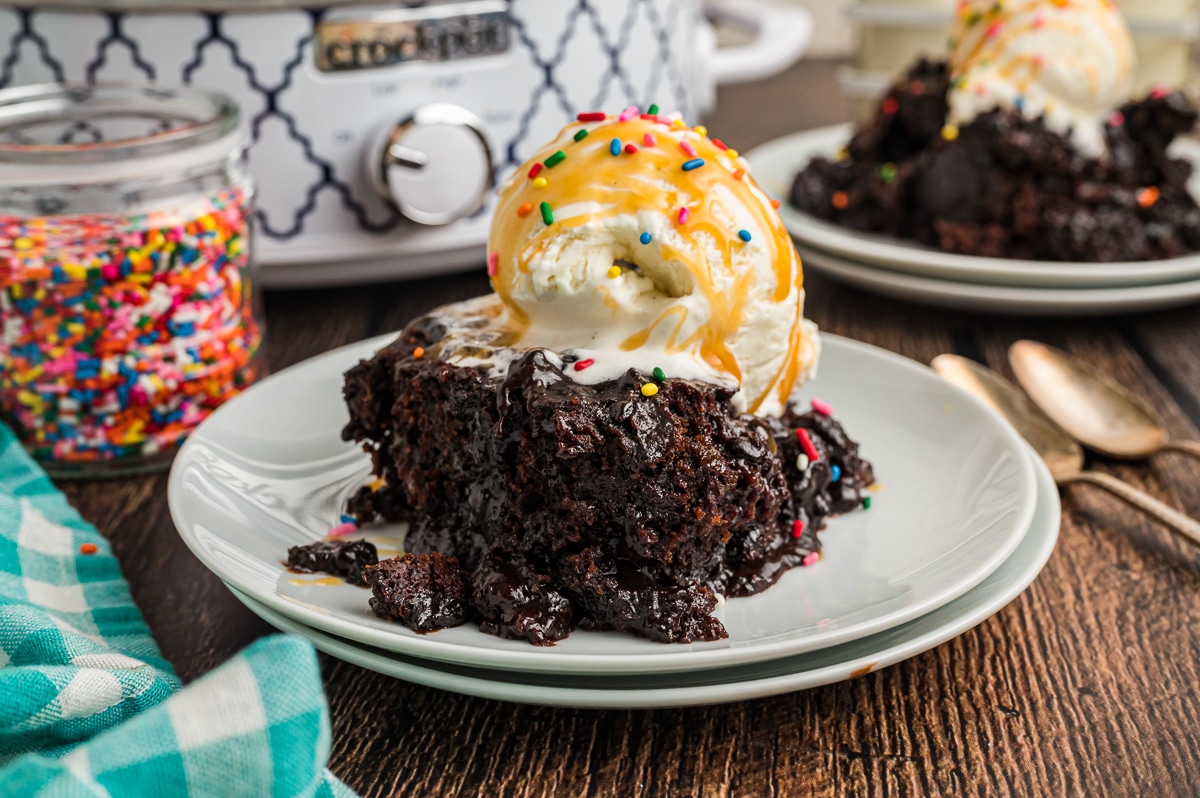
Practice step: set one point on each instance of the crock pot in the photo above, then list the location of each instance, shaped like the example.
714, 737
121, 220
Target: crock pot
379, 130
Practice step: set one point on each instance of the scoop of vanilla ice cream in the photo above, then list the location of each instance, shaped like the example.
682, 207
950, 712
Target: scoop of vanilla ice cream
619, 257
1071, 61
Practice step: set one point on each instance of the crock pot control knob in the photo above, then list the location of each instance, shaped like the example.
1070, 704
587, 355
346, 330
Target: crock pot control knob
435, 166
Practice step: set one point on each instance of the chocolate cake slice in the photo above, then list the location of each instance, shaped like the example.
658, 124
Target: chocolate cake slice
1007, 186
592, 506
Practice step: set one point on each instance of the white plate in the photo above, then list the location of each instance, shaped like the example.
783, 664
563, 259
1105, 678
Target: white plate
269, 470
776, 163
1001, 298
740, 683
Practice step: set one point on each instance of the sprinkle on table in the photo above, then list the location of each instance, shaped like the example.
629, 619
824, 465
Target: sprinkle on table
580, 365
1148, 196
525, 209
840, 200
807, 445
694, 163
581, 135
744, 235
821, 408
614, 146
645, 238
547, 214
649, 389
341, 530
798, 528
555, 159
659, 374
89, 548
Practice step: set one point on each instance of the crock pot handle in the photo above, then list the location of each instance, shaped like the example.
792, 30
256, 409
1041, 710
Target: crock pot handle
781, 35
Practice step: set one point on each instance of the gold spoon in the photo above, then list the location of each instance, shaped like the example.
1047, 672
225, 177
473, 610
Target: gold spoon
1092, 410
1062, 456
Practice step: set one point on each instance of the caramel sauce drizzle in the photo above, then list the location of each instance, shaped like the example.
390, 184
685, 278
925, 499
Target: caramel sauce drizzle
653, 177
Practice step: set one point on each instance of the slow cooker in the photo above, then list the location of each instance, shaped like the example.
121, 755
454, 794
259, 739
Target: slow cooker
380, 130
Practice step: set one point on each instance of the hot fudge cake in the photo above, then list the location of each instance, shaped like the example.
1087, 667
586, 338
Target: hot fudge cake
1025, 144
613, 440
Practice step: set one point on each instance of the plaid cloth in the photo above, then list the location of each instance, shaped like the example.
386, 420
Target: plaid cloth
88, 706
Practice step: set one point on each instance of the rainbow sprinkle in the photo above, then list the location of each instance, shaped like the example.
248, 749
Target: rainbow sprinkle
119, 334
695, 163
555, 159
492, 262
806, 444
581, 135
821, 408
649, 389
628, 113
645, 238
649, 140
592, 116
614, 146
798, 528
583, 364
744, 235
682, 218
811, 559
547, 214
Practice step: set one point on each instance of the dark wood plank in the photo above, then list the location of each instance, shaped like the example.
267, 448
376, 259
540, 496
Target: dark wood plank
1085, 684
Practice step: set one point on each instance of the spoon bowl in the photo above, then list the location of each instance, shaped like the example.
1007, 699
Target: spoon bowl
1062, 455
1091, 409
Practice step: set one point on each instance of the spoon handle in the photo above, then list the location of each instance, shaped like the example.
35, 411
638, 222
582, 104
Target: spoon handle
1187, 447
1184, 525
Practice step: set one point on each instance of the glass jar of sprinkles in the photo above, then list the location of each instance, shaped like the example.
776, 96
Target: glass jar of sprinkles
126, 309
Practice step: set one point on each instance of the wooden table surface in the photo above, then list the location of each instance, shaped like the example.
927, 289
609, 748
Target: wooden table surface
1086, 684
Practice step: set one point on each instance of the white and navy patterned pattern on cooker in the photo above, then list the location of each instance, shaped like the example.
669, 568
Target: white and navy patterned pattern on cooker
577, 54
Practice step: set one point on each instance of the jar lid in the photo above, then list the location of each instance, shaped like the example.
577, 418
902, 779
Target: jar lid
52, 131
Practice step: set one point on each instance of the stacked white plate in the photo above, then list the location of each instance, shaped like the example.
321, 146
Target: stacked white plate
962, 520
908, 271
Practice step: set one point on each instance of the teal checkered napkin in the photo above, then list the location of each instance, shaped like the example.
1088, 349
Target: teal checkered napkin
88, 706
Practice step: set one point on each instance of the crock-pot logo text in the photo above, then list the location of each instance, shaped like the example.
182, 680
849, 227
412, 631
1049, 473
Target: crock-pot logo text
385, 40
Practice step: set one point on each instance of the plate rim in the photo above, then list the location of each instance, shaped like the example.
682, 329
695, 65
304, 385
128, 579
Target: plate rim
674, 660
427, 674
1026, 301
907, 257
